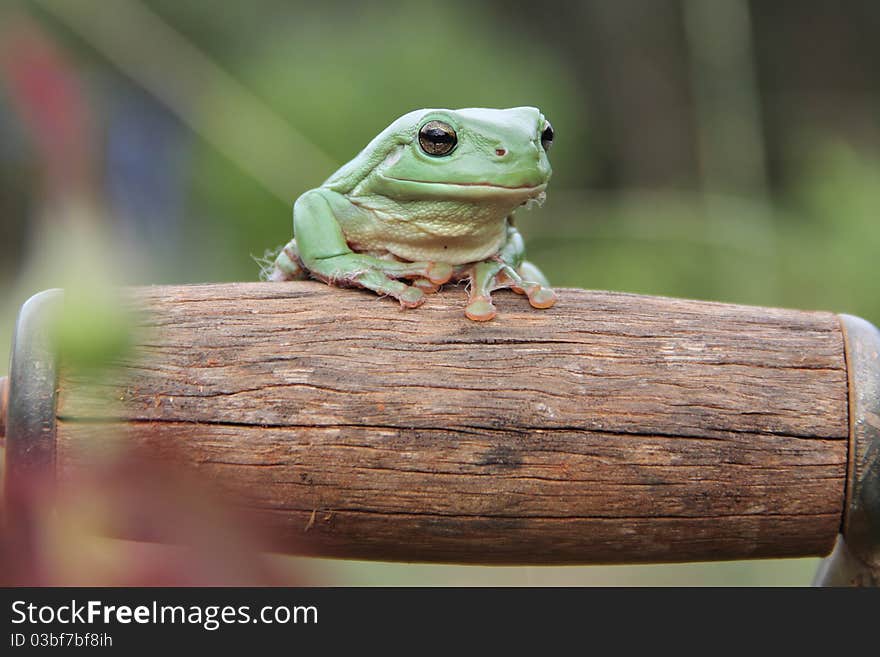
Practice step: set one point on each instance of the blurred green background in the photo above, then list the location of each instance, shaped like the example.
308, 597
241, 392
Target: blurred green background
712, 149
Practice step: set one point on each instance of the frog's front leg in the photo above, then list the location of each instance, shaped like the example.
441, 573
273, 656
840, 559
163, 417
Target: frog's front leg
506, 269
324, 252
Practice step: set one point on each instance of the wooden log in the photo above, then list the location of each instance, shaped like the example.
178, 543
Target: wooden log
610, 428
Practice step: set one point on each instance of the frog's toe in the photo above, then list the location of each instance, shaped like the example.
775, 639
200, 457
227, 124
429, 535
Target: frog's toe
529, 272
504, 280
540, 296
439, 272
411, 297
425, 285
480, 309
519, 289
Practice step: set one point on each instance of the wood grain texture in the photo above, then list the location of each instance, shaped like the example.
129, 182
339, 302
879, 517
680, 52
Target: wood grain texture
609, 428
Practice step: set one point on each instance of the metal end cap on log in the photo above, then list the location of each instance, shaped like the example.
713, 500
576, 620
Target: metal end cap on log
855, 560
4, 404
29, 399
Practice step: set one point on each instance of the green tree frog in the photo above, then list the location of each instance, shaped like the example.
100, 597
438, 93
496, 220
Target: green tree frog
429, 200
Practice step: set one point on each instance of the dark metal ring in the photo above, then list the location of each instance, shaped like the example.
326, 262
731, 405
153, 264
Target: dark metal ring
856, 557
30, 415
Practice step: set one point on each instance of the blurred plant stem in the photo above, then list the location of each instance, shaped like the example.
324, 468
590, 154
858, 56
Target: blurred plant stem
730, 138
204, 96
69, 244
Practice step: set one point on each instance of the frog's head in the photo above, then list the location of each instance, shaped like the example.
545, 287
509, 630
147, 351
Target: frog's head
463, 154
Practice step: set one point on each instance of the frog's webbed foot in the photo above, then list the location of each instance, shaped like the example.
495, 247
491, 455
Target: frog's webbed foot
490, 275
407, 295
425, 285
381, 276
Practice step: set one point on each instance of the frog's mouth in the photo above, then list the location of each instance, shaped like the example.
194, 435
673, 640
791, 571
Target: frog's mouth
464, 188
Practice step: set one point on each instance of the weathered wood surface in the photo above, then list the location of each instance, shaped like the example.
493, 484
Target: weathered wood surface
609, 428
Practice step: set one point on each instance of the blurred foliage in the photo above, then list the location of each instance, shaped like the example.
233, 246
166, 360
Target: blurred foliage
816, 248
832, 233
649, 191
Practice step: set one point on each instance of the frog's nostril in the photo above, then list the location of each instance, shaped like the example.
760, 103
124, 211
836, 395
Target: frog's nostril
500, 152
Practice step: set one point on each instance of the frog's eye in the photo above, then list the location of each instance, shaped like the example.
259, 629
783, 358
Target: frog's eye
547, 136
437, 138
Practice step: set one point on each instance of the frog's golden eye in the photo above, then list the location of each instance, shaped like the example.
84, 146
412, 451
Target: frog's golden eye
547, 136
437, 138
